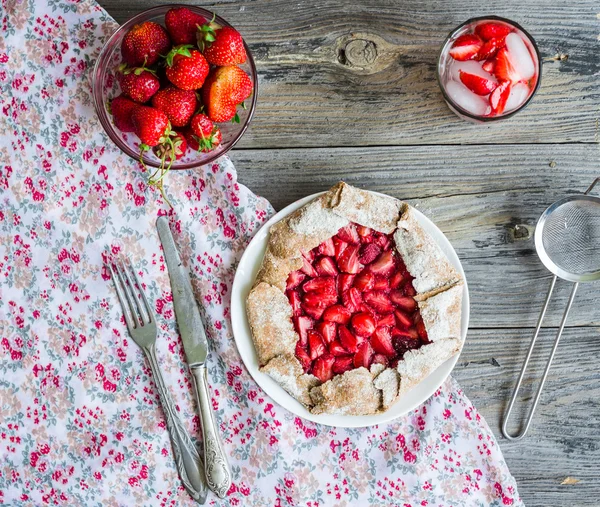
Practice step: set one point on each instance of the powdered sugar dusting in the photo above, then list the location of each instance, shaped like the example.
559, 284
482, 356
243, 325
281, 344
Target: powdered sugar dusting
418, 363
441, 314
315, 220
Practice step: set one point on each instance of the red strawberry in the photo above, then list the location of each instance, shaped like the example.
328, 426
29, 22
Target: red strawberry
309, 256
380, 359
383, 240
348, 340
345, 282
386, 320
490, 48
308, 269
343, 364
477, 84
408, 289
384, 264
378, 301
186, 68
206, 132
396, 280
382, 341
178, 148
224, 90
489, 65
504, 69
363, 324
403, 320
328, 330
322, 368
420, 325
499, 97
363, 232
183, 25
151, 126
295, 302
405, 303
348, 261
381, 283
466, 47
222, 46
302, 325
319, 299
325, 284
303, 357
121, 108
364, 281
316, 312
337, 313
336, 349
349, 234
294, 279
491, 30
316, 345
369, 252
145, 43
138, 84
325, 266
410, 333
327, 248
364, 355
339, 246
352, 299
178, 105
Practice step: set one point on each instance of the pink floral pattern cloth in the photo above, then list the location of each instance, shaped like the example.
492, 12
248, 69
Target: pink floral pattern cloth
80, 422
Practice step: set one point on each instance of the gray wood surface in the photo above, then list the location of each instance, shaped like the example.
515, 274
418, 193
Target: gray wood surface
329, 111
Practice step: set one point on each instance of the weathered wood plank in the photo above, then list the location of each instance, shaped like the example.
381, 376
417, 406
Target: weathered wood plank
311, 94
476, 195
563, 439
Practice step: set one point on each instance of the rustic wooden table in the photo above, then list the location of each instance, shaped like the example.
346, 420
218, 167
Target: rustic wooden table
347, 90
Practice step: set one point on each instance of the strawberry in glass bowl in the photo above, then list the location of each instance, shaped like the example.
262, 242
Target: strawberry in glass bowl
489, 69
164, 73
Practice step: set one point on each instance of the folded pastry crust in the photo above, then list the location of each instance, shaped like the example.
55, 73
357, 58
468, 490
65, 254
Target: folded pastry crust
439, 294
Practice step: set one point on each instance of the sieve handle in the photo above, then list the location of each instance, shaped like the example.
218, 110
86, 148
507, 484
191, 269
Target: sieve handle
520, 435
596, 181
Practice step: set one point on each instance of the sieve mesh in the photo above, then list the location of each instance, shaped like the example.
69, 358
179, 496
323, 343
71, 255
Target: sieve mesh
571, 236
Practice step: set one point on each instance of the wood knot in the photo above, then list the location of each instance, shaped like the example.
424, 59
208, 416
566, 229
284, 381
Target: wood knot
359, 53
365, 53
520, 232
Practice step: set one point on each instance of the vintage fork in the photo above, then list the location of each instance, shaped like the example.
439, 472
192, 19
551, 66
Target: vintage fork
141, 324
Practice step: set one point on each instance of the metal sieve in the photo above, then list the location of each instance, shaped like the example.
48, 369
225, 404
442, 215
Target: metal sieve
567, 241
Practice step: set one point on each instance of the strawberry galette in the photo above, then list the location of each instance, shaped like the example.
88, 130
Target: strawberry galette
354, 303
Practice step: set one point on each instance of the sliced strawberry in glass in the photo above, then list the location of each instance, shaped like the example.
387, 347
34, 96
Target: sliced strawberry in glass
295, 302
381, 359
337, 313
492, 30
325, 266
489, 65
322, 367
307, 268
345, 281
327, 247
403, 320
478, 84
406, 303
368, 253
348, 261
363, 356
328, 330
466, 47
349, 340
303, 357
364, 281
339, 246
302, 325
363, 324
386, 320
316, 312
504, 69
337, 349
294, 279
490, 48
343, 364
381, 341
316, 345
396, 280
349, 234
499, 97
384, 264
379, 301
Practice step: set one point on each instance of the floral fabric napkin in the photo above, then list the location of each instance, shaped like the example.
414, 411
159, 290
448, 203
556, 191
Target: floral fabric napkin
80, 422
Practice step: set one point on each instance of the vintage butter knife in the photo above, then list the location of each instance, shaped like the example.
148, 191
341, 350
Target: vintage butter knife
193, 336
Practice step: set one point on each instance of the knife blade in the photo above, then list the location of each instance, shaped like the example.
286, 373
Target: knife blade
189, 321
195, 345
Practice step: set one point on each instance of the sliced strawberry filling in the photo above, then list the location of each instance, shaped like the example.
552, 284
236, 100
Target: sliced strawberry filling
353, 304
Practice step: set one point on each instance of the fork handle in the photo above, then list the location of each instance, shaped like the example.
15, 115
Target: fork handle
216, 468
188, 461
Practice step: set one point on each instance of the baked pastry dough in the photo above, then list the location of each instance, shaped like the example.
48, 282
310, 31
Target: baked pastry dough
411, 297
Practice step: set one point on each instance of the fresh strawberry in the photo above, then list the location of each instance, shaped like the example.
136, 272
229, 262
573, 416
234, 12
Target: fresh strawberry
491, 30
352, 299
222, 46
145, 43
308, 269
364, 281
489, 65
403, 320
151, 126
337, 313
380, 359
363, 324
207, 134
186, 68
477, 84
339, 246
294, 279
379, 301
504, 69
384, 264
410, 333
499, 97
325, 266
303, 357
349, 234
322, 368
364, 355
138, 84
225, 88
383, 240
325, 284
319, 299
177, 147
316, 312
381, 341
408, 289
369, 252
348, 340
345, 281
327, 248
466, 47
490, 48
386, 320
382, 283
396, 280
121, 108
363, 232
336, 349
328, 330
316, 345
343, 364
405, 303
420, 325
295, 302
178, 105
309, 256
302, 324
183, 25
348, 261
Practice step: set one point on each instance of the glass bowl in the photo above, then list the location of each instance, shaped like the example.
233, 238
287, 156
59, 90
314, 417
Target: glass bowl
445, 62
105, 86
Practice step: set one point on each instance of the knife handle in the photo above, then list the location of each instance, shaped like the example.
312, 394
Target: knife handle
216, 467
187, 459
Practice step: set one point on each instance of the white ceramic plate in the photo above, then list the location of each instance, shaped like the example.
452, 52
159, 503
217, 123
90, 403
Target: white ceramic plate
244, 279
